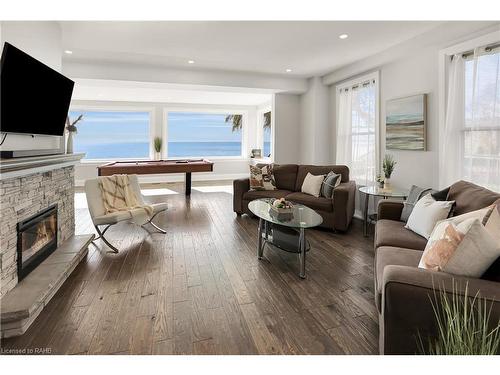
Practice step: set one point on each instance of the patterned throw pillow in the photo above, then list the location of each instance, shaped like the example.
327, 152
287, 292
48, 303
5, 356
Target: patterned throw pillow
262, 178
466, 249
331, 181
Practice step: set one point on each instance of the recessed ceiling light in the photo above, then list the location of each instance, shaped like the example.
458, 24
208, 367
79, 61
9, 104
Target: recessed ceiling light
343, 36
190, 61
288, 70
68, 52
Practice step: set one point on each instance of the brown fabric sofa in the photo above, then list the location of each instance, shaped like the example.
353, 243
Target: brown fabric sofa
403, 291
337, 213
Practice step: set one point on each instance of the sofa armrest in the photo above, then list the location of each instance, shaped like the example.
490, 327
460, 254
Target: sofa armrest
407, 310
240, 186
343, 204
389, 210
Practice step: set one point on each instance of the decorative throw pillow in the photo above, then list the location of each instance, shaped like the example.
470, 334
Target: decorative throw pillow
331, 181
426, 213
466, 249
492, 224
483, 215
312, 184
262, 178
441, 194
416, 192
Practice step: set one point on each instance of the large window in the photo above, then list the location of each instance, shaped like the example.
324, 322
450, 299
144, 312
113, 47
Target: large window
266, 132
357, 141
204, 134
112, 134
472, 126
482, 120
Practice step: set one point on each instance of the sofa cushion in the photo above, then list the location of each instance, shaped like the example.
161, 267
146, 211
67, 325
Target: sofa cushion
316, 170
469, 197
392, 256
312, 185
257, 194
316, 203
393, 233
285, 176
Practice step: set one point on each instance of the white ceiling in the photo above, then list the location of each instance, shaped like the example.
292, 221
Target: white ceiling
128, 91
308, 48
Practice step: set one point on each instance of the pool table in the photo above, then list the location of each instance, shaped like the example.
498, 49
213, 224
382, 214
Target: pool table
186, 166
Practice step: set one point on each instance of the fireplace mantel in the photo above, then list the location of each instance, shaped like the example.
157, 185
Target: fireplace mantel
20, 167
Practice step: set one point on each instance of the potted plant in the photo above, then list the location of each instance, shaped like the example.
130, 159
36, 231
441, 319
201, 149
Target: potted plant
157, 143
388, 166
71, 129
463, 324
380, 181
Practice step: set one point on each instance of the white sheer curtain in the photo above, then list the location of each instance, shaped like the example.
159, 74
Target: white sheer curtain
471, 144
356, 131
451, 160
344, 138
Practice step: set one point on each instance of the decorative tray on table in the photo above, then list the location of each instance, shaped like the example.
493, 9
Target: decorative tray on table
281, 209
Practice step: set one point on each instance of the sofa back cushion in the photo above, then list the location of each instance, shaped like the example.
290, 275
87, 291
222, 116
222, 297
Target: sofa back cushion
316, 170
285, 176
470, 197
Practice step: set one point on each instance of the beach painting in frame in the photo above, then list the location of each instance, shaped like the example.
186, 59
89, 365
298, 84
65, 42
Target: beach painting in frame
405, 123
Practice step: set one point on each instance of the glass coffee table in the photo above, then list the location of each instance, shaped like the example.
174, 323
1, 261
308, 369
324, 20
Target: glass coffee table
378, 192
284, 231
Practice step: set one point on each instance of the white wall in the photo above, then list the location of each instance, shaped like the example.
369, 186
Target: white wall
43, 41
417, 74
286, 120
413, 72
315, 132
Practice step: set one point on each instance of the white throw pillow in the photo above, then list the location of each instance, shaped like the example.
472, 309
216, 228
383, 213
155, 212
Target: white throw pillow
312, 184
426, 213
466, 249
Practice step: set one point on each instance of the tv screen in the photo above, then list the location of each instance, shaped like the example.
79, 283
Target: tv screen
34, 98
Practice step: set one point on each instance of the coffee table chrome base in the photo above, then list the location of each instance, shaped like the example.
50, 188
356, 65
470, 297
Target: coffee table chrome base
263, 239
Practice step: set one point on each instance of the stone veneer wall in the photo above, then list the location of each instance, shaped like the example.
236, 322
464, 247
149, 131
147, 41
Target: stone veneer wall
22, 197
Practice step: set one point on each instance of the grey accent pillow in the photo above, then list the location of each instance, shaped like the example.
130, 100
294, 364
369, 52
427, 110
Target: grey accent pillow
416, 192
331, 181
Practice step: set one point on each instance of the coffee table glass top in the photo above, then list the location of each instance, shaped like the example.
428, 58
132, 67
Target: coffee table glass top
374, 190
300, 217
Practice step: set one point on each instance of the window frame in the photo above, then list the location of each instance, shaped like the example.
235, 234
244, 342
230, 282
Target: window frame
375, 76
113, 108
210, 110
443, 71
260, 130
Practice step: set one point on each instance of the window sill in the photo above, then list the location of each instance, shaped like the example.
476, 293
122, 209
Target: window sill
211, 158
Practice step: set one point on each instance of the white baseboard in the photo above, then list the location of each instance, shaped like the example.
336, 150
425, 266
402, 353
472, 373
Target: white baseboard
179, 177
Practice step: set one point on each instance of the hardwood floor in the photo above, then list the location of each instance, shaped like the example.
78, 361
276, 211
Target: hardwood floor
200, 289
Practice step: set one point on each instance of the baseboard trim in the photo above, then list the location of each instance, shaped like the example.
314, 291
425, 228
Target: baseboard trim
177, 177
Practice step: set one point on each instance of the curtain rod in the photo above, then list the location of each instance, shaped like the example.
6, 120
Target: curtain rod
363, 84
487, 49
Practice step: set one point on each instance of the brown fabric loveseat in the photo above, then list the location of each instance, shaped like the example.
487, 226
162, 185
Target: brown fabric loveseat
337, 212
403, 292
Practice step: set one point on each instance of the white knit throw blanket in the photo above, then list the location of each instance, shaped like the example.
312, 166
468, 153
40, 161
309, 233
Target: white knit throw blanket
118, 195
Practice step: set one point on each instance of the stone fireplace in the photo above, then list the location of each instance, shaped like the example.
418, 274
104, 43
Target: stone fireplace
24, 197
38, 246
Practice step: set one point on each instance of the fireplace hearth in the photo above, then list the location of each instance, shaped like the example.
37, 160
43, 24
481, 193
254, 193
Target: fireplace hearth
36, 240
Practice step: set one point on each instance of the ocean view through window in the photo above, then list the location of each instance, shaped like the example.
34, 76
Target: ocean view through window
112, 134
266, 134
195, 134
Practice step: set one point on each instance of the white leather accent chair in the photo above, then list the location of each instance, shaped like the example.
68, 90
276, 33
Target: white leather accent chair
98, 213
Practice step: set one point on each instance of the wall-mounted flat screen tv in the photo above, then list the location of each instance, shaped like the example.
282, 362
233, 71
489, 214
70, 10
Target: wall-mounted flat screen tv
34, 98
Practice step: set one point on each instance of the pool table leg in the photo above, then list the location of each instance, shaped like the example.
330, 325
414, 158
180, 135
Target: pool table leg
188, 183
